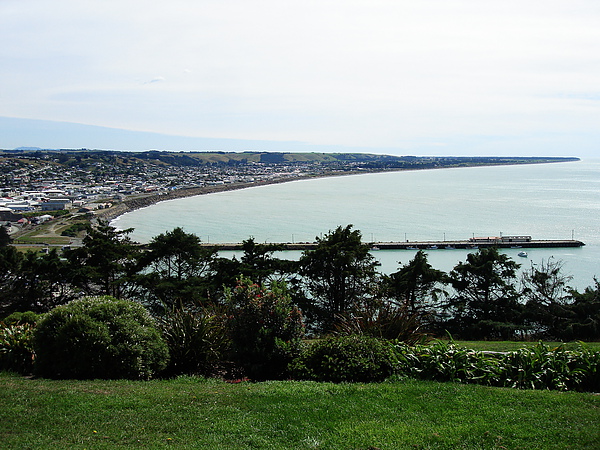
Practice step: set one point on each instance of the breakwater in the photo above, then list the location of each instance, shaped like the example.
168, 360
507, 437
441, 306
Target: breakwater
425, 245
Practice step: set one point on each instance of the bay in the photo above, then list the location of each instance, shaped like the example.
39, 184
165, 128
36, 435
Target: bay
546, 201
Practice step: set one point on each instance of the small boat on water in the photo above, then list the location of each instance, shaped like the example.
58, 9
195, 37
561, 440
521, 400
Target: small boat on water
522, 254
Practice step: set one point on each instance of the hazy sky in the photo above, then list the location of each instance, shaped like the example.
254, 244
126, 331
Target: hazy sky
407, 77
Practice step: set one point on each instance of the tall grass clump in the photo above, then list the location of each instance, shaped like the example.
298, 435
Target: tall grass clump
542, 367
16, 342
538, 367
446, 361
196, 338
99, 337
385, 320
16, 348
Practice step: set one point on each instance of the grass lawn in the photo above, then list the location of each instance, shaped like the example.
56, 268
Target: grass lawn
197, 413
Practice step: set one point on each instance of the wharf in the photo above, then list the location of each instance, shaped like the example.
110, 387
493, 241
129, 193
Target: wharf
427, 245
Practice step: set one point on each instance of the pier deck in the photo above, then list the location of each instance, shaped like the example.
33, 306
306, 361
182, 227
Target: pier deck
426, 245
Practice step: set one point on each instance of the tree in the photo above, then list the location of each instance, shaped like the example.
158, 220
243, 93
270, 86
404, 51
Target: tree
5, 238
102, 265
42, 283
583, 322
415, 285
257, 262
485, 301
174, 270
10, 268
547, 294
339, 274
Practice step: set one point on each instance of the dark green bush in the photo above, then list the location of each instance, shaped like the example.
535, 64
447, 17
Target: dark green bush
197, 340
356, 358
99, 337
17, 318
265, 329
74, 229
16, 348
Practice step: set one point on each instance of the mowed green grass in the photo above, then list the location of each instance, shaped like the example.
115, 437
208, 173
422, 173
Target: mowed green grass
197, 413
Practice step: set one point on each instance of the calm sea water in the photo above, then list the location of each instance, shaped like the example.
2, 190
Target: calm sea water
546, 201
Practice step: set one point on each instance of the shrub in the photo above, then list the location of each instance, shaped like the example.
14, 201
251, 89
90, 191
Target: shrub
264, 327
99, 337
16, 318
357, 358
16, 348
74, 229
197, 340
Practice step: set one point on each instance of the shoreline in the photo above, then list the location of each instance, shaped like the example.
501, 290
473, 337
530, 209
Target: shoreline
138, 202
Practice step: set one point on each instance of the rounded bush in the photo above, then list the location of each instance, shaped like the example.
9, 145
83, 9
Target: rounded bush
355, 358
99, 337
19, 318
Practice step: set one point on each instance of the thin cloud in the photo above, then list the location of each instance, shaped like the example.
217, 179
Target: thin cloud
377, 73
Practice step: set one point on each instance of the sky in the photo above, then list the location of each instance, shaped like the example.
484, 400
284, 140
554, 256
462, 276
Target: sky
419, 77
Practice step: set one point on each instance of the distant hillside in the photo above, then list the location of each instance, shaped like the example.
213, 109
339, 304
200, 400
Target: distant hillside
79, 157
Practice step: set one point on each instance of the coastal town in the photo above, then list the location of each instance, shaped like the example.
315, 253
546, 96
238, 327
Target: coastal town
37, 186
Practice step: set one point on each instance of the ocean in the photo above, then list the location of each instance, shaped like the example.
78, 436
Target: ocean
545, 201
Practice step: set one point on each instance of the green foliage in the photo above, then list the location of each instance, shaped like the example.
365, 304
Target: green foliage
538, 367
582, 320
19, 318
41, 282
445, 361
485, 303
99, 337
265, 328
416, 285
197, 340
175, 271
10, 266
541, 367
102, 265
340, 275
385, 320
74, 229
16, 347
5, 238
257, 262
355, 358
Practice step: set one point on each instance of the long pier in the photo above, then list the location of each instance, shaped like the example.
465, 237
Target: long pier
427, 245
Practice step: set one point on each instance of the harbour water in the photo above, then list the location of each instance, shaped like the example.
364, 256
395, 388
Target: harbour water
546, 201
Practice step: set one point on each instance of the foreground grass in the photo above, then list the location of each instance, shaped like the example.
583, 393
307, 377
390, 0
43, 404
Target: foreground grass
197, 413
